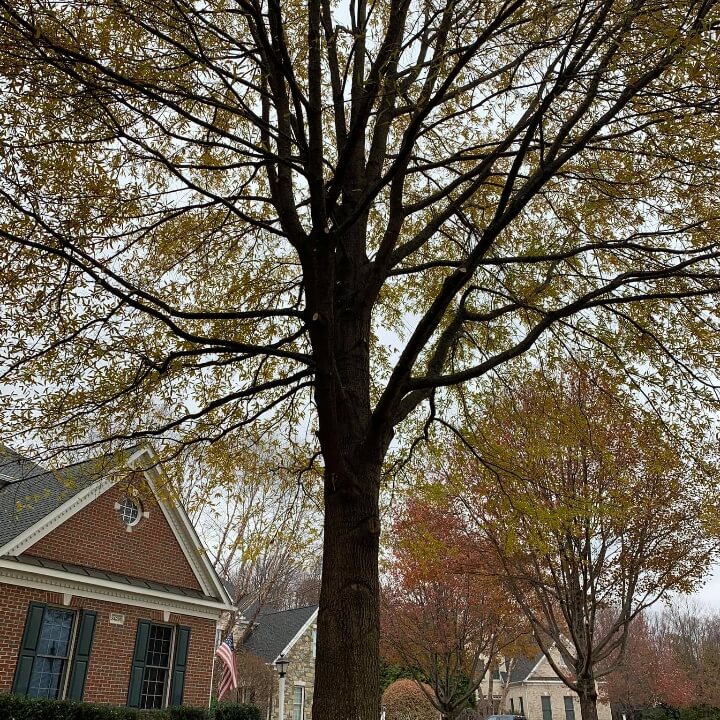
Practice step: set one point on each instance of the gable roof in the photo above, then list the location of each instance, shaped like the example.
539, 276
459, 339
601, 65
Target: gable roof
524, 667
276, 631
31, 493
33, 501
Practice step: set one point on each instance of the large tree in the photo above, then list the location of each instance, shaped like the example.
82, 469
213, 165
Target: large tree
328, 214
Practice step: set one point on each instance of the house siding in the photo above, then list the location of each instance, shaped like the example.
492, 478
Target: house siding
543, 682
95, 537
111, 655
301, 671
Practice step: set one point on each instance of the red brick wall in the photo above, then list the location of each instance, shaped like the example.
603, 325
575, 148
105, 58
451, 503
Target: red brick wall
96, 537
113, 645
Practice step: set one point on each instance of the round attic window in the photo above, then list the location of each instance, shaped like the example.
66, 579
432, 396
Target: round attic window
129, 511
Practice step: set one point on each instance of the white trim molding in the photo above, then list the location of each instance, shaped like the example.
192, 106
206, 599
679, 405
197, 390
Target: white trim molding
13, 572
145, 460
299, 633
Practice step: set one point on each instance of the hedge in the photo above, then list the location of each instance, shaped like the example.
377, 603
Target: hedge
15, 707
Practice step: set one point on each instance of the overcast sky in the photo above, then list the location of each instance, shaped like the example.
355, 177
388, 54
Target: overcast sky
710, 594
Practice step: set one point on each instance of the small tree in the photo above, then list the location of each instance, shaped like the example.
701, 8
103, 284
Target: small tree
592, 508
447, 624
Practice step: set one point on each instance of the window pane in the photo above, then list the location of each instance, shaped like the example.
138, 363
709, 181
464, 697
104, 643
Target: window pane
157, 664
158, 653
153, 690
298, 698
546, 707
45, 678
55, 633
52, 651
569, 708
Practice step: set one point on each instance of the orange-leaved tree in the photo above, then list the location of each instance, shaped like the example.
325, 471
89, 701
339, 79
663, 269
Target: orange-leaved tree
447, 624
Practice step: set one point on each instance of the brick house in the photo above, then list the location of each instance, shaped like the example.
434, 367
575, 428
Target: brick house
533, 689
106, 594
290, 634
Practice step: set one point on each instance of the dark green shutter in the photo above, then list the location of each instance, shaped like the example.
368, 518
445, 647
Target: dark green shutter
82, 655
182, 646
23, 671
138, 664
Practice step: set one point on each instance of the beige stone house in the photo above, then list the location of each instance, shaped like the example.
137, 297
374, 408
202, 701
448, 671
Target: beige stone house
533, 689
290, 634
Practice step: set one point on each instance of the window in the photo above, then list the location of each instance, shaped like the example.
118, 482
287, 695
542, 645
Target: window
53, 650
546, 707
157, 667
161, 654
522, 706
129, 512
298, 702
512, 706
55, 653
313, 642
569, 708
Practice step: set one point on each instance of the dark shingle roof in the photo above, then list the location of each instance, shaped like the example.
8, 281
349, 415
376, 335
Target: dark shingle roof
523, 667
31, 492
275, 629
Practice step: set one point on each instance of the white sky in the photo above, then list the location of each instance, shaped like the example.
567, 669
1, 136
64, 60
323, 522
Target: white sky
710, 593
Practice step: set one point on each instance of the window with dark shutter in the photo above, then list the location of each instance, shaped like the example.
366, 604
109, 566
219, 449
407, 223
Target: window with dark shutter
152, 685
45, 652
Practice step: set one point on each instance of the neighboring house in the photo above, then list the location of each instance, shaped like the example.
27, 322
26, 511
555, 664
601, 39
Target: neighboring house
106, 594
533, 689
290, 634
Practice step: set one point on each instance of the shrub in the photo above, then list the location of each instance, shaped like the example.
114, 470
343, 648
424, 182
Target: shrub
187, 713
236, 711
405, 700
14, 707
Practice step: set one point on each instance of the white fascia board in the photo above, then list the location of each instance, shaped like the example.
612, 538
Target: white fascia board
300, 633
184, 532
548, 681
16, 573
42, 527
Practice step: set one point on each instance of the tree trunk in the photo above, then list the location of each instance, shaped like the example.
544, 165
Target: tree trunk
587, 693
347, 669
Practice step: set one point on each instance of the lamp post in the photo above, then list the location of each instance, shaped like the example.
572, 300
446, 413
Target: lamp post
281, 666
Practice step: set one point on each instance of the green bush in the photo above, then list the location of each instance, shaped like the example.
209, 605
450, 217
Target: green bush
186, 713
14, 707
236, 711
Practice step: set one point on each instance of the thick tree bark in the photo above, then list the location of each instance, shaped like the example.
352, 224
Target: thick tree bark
347, 671
587, 693
347, 674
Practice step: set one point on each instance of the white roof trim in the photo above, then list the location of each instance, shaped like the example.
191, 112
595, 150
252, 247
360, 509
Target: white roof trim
17, 573
59, 515
299, 633
184, 532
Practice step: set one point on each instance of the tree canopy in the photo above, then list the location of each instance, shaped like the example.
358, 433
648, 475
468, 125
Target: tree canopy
596, 511
327, 215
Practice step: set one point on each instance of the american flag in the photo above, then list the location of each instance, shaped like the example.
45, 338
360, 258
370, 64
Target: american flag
226, 653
